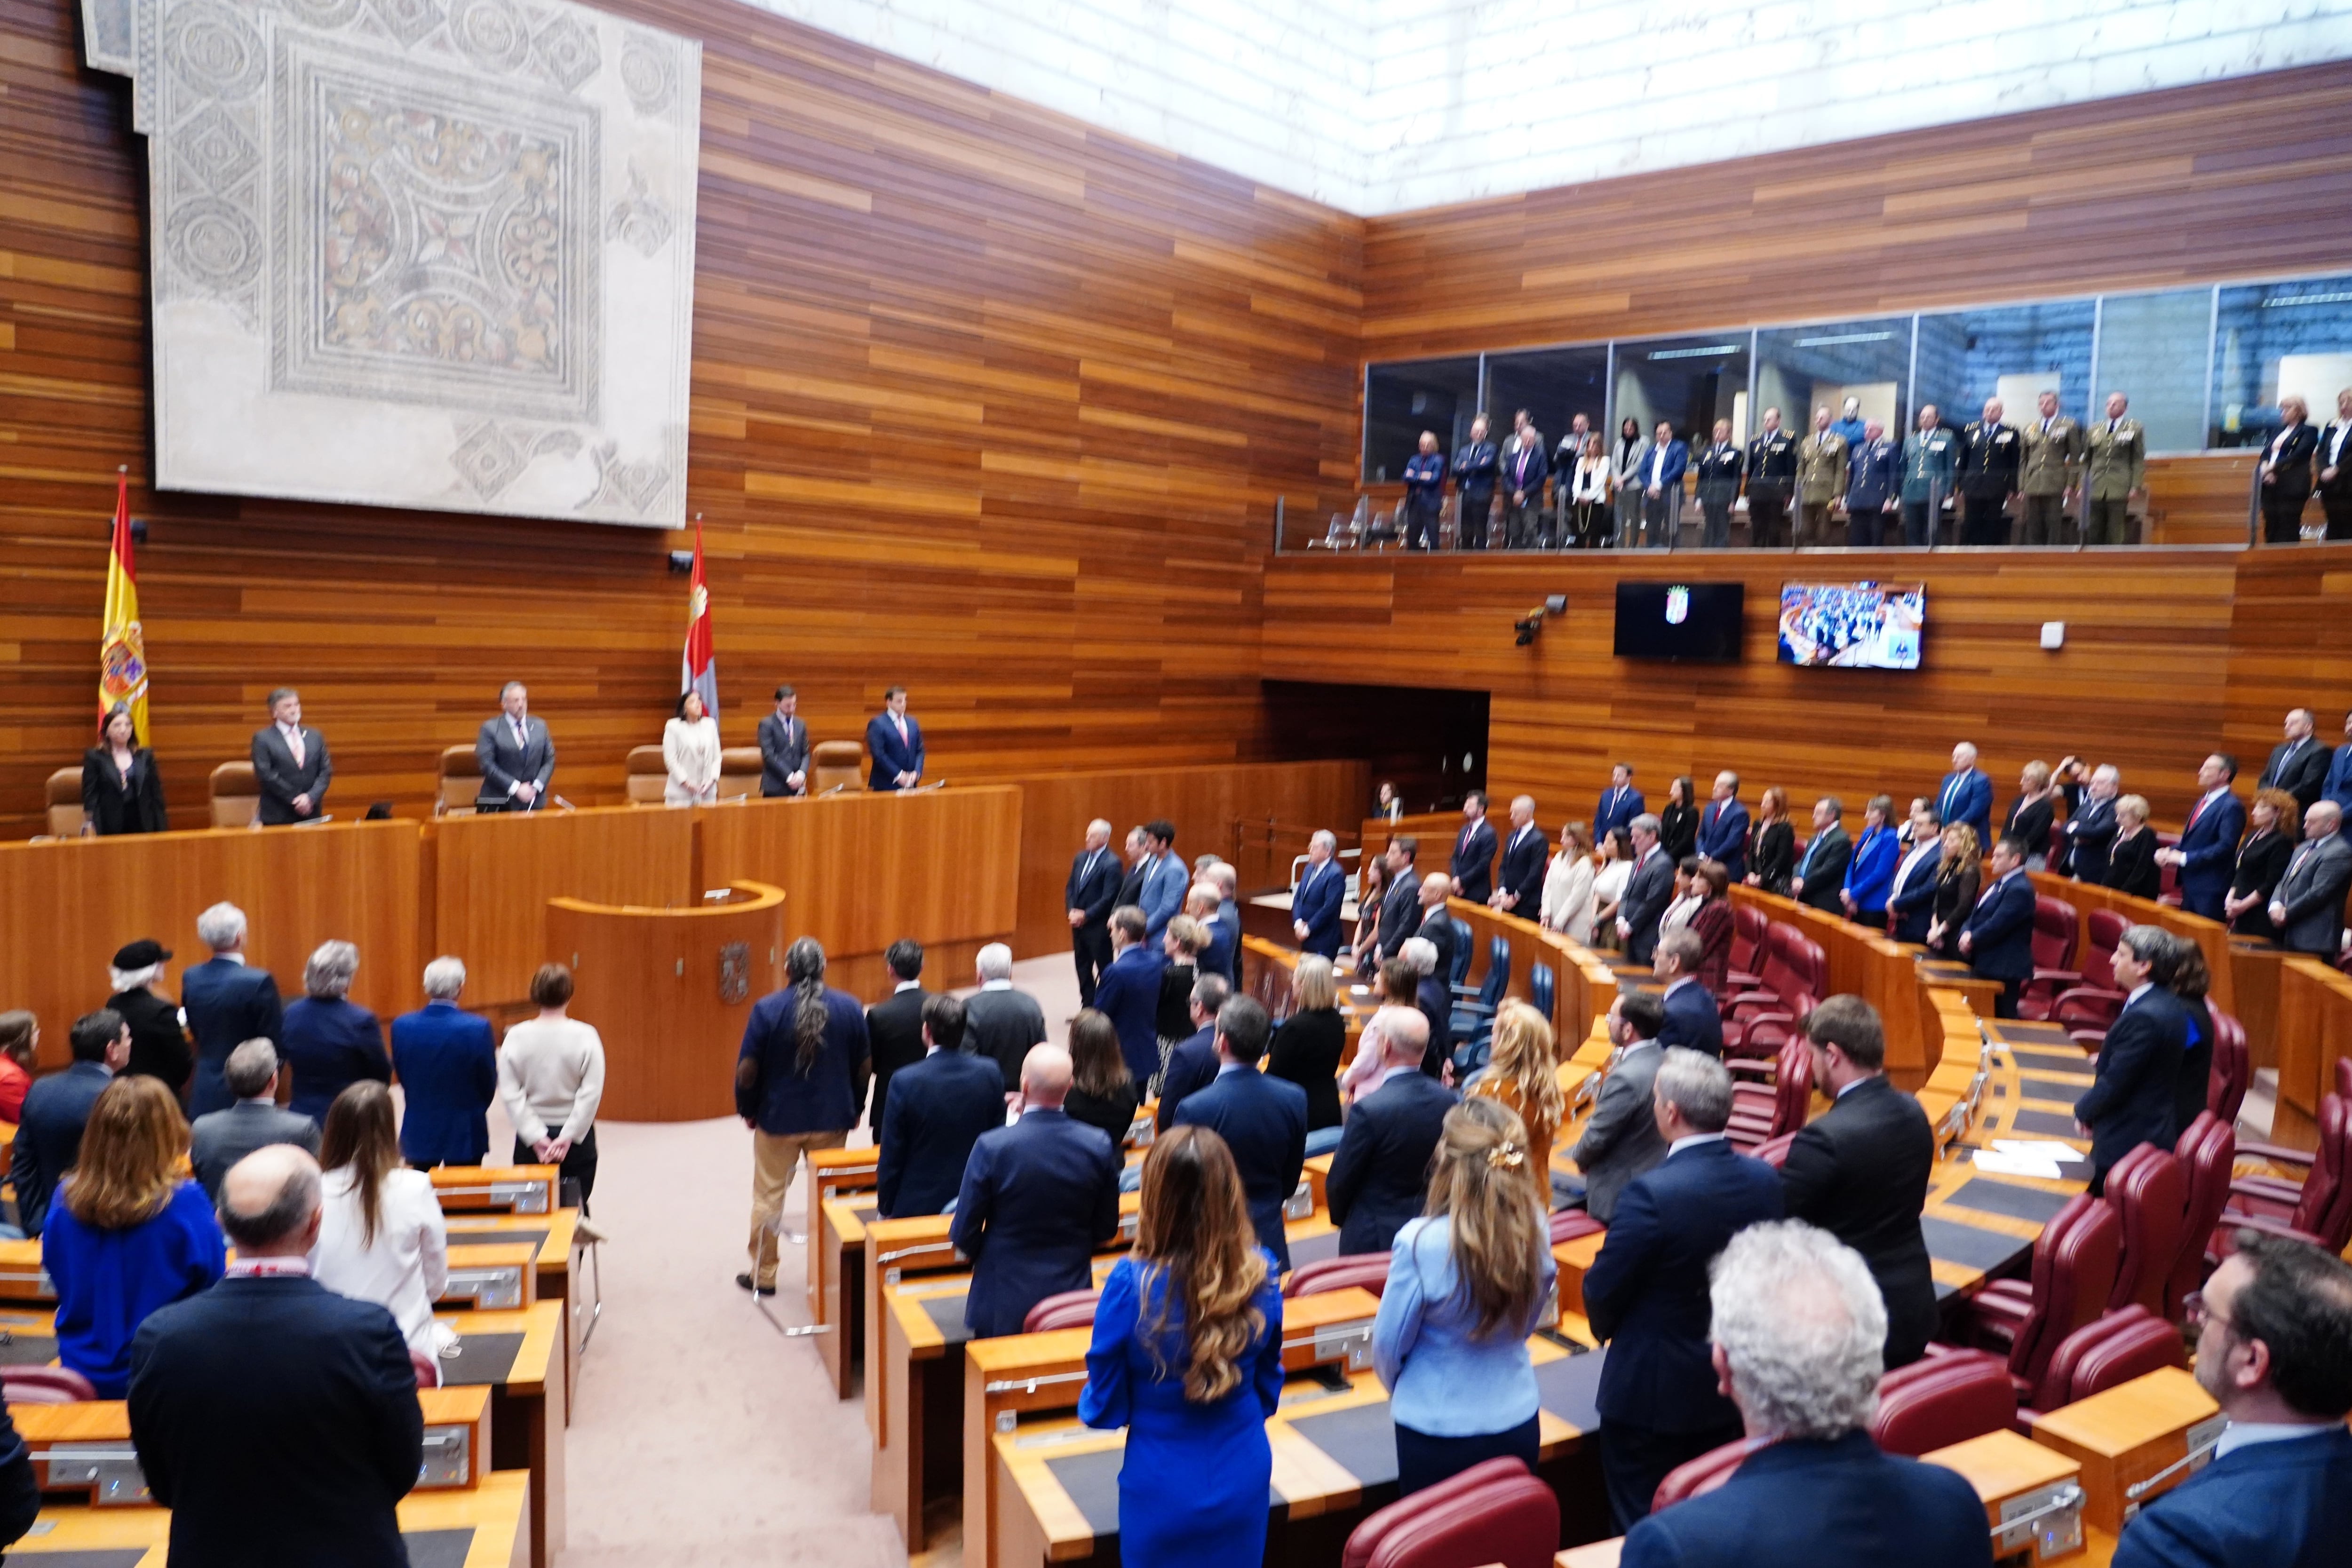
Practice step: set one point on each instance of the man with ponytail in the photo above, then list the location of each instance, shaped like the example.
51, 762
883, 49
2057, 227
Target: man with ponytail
799, 1084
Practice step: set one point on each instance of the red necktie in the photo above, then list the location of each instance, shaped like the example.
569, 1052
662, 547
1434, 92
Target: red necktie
2194, 812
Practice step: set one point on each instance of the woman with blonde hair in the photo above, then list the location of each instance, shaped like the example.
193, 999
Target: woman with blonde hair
2030, 813
127, 1231
1307, 1045
380, 1234
2131, 863
1568, 889
1958, 876
1187, 1355
1523, 1073
1466, 1284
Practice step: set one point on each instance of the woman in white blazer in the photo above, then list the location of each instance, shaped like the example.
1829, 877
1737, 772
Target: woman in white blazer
690, 753
380, 1237
1568, 895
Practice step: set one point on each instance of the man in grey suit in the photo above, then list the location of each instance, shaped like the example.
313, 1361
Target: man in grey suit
289, 764
2308, 907
515, 754
1622, 1142
221, 1138
1647, 892
784, 747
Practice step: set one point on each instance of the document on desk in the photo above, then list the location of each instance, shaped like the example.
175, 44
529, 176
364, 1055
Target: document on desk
2026, 1158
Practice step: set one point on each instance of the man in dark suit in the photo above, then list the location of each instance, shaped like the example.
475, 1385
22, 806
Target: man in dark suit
1138, 861
1518, 882
1997, 940
1723, 827
2308, 907
1321, 892
1827, 856
1090, 895
219, 1139
2091, 831
1474, 467
514, 754
447, 1062
1795, 1326
1646, 1293
226, 1002
1473, 866
1647, 892
784, 747
2207, 856
1207, 903
1192, 1065
56, 1109
1691, 1017
1990, 458
1619, 803
894, 1026
1621, 1140
1523, 483
2333, 458
938, 1109
1379, 1173
2273, 1342
1965, 794
1911, 900
1772, 483
895, 744
2338, 787
290, 763
1400, 904
1000, 1022
1037, 1198
276, 1419
1129, 992
1262, 1120
2130, 1101
2298, 764
1860, 1169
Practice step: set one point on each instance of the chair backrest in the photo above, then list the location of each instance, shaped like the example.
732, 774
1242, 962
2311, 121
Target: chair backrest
739, 772
64, 800
235, 795
1370, 1270
1774, 1152
1793, 1087
2168, 880
1705, 1473
1748, 926
2149, 1190
460, 782
2074, 1262
1814, 965
46, 1385
2057, 929
1491, 1512
2207, 1150
2225, 1086
648, 775
2105, 930
1569, 1224
1942, 1400
2130, 1342
426, 1368
2325, 1207
1498, 965
1063, 1310
1542, 988
836, 765
1785, 972
2344, 1077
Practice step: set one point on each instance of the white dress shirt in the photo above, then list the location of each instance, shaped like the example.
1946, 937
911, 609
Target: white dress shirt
404, 1269
1692, 1142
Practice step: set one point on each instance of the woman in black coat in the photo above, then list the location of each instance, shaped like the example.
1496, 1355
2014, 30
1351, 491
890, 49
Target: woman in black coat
2131, 864
1959, 875
1678, 823
2029, 814
1774, 859
120, 790
1308, 1044
2262, 861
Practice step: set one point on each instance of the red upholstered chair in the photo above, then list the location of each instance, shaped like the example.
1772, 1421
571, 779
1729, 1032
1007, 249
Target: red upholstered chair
1777, 1101
1774, 1152
45, 1385
2318, 1208
2344, 1077
428, 1370
2207, 1150
2074, 1262
1943, 1400
1570, 1224
2234, 1068
1491, 1512
1063, 1310
2088, 1008
2129, 1343
2057, 934
1705, 1473
1795, 976
2149, 1193
1370, 1270
1748, 925
2105, 930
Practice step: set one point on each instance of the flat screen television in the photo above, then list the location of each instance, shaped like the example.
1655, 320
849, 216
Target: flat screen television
1692, 620
1852, 625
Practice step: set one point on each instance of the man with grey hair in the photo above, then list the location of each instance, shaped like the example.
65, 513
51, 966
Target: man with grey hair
1646, 1293
1090, 895
2298, 764
289, 764
1648, 891
276, 1419
1000, 1022
2308, 907
448, 1061
514, 754
1203, 903
219, 1139
2091, 831
1796, 1332
1322, 891
1432, 993
330, 1043
1379, 1173
224, 1001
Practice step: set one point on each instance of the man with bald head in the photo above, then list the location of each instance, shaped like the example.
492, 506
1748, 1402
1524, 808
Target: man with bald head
1379, 1173
1038, 1197
276, 1419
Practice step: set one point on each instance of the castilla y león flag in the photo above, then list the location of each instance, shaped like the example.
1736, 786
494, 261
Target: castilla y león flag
700, 672
122, 651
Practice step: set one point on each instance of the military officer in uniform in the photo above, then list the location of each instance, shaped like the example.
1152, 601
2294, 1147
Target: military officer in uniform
1989, 457
2051, 470
1931, 458
1874, 487
1474, 467
2336, 468
2114, 469
1719, 470
1820, 479
1772, 483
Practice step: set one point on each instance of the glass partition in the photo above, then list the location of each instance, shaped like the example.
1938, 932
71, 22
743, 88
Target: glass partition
1553, 385
2140, 340
1401, 400
2278, 339
1690, 383
2013, 352
1801, 369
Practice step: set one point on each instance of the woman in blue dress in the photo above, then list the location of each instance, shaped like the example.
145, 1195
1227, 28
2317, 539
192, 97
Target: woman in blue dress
1187, 1355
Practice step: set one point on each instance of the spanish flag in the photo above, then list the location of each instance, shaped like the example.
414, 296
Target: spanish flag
122, 651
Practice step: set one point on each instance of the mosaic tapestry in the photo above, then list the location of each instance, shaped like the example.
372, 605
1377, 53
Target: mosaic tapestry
418, 253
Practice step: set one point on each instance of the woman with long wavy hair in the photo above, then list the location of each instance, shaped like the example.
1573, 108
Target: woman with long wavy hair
1467, 1282
1523, 1073
1187, 1355
800, 1079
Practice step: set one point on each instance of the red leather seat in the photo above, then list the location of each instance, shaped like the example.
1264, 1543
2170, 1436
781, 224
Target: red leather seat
2317, 1210
1370, 1270
2074, 1262
1063, 1310
2167, 888
2088, 1008
1491, 1512
428, 1370
2149, 1193
1794, 978
1705, 1473
2130, 1343
1748, 924
45, 1385
1943, 1400
2225, 1086
1570, 1224
1779, 1103
2207, 1150
1774, 1152
2057, 934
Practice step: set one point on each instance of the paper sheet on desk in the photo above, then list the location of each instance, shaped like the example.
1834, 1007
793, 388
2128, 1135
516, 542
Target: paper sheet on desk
2025, 1157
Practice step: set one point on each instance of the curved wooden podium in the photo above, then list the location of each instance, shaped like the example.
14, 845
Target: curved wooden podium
671, 991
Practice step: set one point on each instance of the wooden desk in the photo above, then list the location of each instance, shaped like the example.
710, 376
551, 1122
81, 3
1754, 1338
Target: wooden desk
2016, 1477
495, 1189
519, 1357
494, 1519
840, 1201
555, 1241
2314, 1029
2129, 1435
